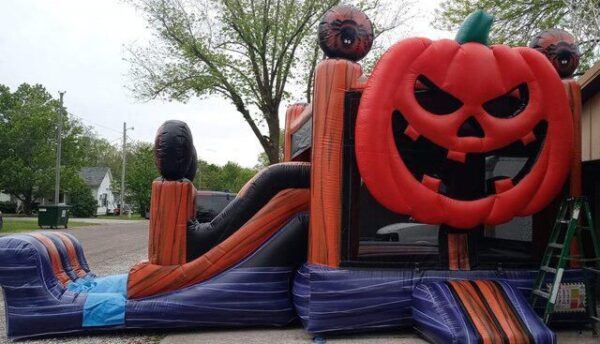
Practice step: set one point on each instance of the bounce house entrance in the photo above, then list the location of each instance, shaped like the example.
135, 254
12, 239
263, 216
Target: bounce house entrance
374, 235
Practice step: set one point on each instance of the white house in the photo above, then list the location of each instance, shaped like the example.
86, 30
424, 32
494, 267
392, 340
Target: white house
4, 197
99, 179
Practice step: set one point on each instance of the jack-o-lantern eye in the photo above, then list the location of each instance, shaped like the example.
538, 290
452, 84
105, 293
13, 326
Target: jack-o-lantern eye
510, 104
433, 99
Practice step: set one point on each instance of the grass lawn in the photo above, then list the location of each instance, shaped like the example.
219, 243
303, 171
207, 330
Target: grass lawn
120, 217
17, 226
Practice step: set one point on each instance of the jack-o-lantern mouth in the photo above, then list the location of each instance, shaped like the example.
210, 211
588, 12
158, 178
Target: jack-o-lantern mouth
467, 176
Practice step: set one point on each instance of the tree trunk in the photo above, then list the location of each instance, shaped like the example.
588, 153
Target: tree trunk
311, 72
27, 204
272, 154
273, 149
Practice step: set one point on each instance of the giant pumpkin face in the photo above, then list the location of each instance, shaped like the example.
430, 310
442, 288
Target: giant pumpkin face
462, 104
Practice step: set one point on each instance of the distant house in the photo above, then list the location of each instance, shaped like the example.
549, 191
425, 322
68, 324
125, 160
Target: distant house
590, 136
4, 197
99, 179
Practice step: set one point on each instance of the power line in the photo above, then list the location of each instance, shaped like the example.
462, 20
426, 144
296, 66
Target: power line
94, 123
115, 141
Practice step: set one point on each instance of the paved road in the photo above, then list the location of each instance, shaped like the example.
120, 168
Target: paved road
95, 220
114, 248
299, 336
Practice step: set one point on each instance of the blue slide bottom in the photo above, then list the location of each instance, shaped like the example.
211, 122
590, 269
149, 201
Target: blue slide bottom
479, 311
106, 300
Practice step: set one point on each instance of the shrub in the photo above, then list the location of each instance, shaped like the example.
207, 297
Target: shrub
8, 207
82, 203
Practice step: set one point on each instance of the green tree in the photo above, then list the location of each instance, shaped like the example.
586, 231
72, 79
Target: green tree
246, 51
28, 119
100, 152
82, 202
140, 174
517, 22
242, 50
229, 177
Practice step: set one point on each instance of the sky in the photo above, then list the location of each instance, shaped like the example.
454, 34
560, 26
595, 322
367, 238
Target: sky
79, 46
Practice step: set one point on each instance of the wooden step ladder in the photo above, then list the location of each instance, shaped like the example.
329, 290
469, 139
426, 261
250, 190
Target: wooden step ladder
574, 217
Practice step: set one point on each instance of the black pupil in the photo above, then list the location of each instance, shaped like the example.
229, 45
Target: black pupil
348, 35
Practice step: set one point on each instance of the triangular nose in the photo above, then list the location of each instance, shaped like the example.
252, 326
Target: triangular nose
470, 128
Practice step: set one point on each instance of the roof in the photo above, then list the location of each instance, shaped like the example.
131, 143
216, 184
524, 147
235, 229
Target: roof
93, 176
590, 82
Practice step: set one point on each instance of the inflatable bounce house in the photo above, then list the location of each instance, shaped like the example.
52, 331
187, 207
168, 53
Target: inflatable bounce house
424, 195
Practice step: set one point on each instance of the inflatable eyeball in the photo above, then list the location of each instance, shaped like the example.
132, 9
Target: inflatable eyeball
560, 48
458, 102
345, 32
174, 152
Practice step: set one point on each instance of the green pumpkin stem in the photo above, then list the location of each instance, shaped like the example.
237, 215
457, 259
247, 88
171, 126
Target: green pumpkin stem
475, 28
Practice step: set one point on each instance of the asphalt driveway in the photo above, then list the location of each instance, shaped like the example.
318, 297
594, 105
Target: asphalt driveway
113, 247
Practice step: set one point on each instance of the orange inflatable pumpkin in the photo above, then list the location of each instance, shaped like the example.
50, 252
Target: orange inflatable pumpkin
462, 101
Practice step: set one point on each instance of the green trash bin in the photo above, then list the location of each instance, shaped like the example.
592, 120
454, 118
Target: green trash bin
53, 215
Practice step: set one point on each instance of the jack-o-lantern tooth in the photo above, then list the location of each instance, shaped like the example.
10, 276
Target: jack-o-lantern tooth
412, 133
502, 185
431, 183
529, 138
457, 156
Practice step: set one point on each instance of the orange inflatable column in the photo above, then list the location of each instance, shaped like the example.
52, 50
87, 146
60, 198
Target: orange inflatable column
171, 207
293, 111
574, 95
333, 78
573, 90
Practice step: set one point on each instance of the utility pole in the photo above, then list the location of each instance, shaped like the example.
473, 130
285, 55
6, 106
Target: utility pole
58, 149
123, 169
